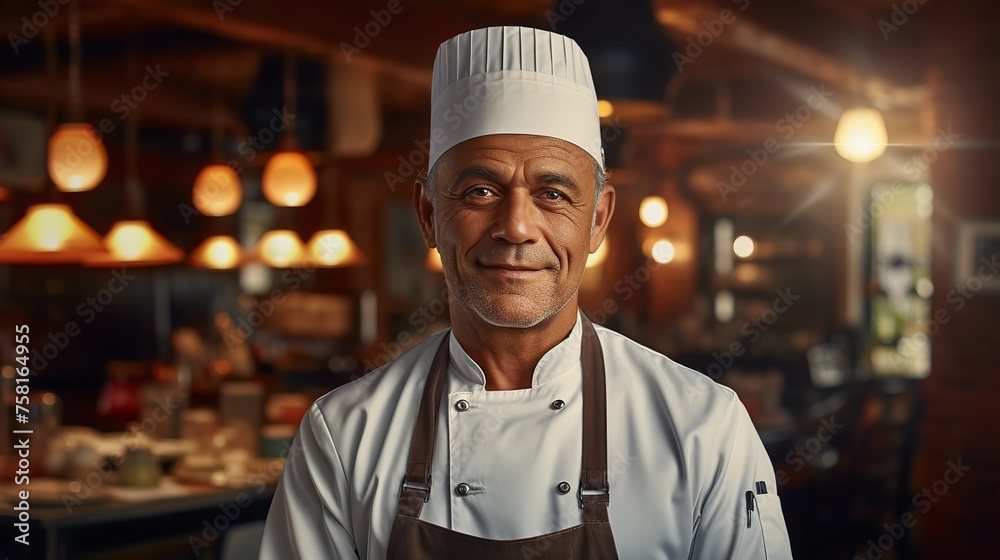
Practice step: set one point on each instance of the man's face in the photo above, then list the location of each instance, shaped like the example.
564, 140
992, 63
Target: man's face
513, 225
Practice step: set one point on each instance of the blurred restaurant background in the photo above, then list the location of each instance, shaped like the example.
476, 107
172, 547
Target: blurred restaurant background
207, 219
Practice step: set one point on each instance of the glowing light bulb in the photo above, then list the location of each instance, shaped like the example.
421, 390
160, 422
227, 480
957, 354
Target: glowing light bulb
280, 247
217, 191
663, 251
77, 160
653, 211
289, 179
860, 135
49, 226
743, 246
604, 108
129, 240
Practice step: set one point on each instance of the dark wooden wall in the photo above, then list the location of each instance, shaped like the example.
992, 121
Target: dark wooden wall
961, 393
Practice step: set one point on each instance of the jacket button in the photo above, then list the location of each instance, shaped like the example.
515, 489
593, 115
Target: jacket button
462, 405
563, 487
557, 404
462, 489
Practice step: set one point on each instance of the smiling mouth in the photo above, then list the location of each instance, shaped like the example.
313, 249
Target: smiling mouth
511, 270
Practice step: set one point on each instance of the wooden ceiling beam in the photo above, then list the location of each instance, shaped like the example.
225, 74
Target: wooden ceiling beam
262, 25
741, 34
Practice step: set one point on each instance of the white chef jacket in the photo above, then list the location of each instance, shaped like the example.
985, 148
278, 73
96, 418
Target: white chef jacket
682, 453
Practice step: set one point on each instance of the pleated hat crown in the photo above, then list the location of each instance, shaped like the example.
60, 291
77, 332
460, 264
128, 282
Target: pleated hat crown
513, 80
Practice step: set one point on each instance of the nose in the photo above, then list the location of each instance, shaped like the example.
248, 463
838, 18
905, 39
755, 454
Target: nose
518, 218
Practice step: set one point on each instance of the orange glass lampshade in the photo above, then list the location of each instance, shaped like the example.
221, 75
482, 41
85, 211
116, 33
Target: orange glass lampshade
334, 247
280, 248
49, 234
218, 252
217, 191
289, 179
77, 159
135, 243
861, 135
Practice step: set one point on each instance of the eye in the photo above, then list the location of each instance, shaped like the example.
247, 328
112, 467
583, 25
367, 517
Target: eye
553, 195
481, 195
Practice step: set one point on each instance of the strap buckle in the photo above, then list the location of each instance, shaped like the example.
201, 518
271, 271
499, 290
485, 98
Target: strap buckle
418, 486
599, 496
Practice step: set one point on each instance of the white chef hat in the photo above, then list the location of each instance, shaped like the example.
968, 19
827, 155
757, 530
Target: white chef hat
513, 80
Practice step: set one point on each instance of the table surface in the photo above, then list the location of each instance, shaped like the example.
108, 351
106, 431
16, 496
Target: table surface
121, 517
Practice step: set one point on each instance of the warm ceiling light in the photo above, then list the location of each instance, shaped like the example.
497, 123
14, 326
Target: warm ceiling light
219, 252
280, 248
135, 243
49, 234
217, 191
743, 246
860, 135
598, 256
663, 251
433, 261
604, 108
77, 159
289, 179
653, 211
334, 247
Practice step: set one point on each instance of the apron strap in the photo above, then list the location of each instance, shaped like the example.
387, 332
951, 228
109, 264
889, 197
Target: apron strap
594, 493
416, 486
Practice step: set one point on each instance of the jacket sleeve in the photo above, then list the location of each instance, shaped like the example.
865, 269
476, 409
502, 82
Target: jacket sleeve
310, 515
721, 530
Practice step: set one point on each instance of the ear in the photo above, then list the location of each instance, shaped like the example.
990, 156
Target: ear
605, 209
425, 210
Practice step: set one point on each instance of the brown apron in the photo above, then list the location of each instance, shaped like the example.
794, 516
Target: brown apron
412, 538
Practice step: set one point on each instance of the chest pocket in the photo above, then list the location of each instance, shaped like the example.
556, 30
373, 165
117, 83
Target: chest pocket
772, 526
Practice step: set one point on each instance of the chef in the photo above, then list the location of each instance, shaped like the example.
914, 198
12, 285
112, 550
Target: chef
523, 431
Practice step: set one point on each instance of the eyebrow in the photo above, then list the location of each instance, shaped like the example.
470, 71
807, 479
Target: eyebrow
550, 177
477, 172
489, 174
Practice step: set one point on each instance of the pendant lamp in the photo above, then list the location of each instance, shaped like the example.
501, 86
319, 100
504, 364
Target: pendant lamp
217, 188
332, 247
861, 135
280, 248
77, 160
289, 178
218, 252
49, 232
132, 241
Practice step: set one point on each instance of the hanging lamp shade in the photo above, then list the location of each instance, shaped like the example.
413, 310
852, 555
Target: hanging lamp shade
280, 248
334, 247
49, 234
861, 135
135, 243
218, 252
217, 191
289, 179
77, 160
